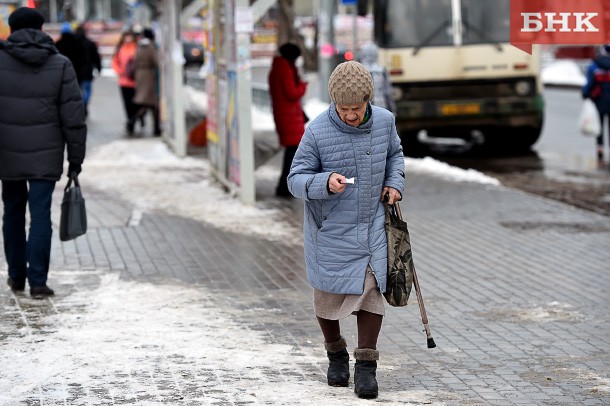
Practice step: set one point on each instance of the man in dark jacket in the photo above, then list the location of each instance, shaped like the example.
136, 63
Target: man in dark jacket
42, 113
70, 47
92, 61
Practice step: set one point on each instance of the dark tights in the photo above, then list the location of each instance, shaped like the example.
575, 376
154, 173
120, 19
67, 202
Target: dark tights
369, 326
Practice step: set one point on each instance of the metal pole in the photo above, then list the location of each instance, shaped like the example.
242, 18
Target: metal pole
327, 45
244, 103
355, 30
53, 11
80, 10
456, 12
178, 135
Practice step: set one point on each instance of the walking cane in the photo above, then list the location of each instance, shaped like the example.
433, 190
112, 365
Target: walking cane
420, 299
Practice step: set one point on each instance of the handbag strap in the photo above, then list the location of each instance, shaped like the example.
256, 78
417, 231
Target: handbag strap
397, 210
393, 210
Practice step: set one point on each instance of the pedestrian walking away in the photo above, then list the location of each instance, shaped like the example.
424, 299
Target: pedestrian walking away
92, 62
123, 63
42, 114
286, 89
70, 47
147, 79
383, 97
349, 160
597, 88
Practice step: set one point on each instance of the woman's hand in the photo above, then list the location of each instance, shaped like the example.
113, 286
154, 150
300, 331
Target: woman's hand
392, 194
336, 183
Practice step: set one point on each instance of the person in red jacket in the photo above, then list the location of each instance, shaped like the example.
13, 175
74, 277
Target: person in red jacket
286, 89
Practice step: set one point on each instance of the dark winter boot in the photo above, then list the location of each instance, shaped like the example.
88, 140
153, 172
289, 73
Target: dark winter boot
338, 365
41, 291
18, 286
130, 126
365, 382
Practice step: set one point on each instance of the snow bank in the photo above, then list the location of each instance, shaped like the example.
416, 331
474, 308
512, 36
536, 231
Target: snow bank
445, 171
563, 73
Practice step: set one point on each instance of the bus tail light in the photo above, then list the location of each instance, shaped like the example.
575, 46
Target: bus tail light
395, 72
520, 66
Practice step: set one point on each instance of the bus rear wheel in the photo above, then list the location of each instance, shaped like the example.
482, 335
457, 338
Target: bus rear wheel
514, 139
411, 145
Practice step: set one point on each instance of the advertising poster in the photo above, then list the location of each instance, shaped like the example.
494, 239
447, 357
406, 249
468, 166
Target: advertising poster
5, 11
232, 129
221, 120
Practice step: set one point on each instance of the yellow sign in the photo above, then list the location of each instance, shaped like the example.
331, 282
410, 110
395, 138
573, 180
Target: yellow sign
459, 109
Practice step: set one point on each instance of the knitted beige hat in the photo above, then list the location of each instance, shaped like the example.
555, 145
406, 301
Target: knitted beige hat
350, 83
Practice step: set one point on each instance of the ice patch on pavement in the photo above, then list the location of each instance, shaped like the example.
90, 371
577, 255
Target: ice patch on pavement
552, 312
148, 175
547, 313
445, 171
161, 344
604, 384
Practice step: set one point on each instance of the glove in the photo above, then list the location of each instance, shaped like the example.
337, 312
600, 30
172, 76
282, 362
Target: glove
74, 168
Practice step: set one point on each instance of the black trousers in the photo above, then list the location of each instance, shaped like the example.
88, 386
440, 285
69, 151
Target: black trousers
131, 108
600, 137
282, 187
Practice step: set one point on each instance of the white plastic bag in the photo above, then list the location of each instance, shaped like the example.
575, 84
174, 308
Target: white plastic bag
590, 124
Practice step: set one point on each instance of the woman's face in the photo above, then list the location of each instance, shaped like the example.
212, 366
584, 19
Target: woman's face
128, 38
352, 114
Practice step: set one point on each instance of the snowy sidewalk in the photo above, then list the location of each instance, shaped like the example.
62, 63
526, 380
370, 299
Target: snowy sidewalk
180, 295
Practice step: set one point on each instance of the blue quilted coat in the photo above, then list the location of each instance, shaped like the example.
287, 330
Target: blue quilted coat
344, 232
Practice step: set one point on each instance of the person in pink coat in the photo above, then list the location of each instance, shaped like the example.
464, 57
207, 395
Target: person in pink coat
123, 63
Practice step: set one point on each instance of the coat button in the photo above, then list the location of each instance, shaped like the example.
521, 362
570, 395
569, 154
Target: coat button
368, 152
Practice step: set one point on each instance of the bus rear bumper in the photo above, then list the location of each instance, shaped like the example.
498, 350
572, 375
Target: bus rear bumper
505, 112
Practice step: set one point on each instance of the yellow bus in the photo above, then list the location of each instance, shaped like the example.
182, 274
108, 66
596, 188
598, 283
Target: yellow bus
455, 74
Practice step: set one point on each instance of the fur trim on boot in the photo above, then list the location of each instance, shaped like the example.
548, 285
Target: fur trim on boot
336, 346
365, 373
338, 363
366, 354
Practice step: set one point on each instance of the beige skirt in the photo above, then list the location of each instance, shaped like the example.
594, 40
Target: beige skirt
332, 306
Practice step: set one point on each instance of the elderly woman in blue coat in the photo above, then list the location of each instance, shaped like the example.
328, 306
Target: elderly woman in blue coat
349, 160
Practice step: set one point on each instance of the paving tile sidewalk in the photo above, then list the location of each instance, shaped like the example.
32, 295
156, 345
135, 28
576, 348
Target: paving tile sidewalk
157, 308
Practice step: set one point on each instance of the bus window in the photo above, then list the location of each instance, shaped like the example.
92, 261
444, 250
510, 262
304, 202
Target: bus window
415, 23
485, 21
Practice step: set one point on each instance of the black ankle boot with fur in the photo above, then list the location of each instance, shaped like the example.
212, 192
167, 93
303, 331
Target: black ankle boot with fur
338, 365
365, 381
